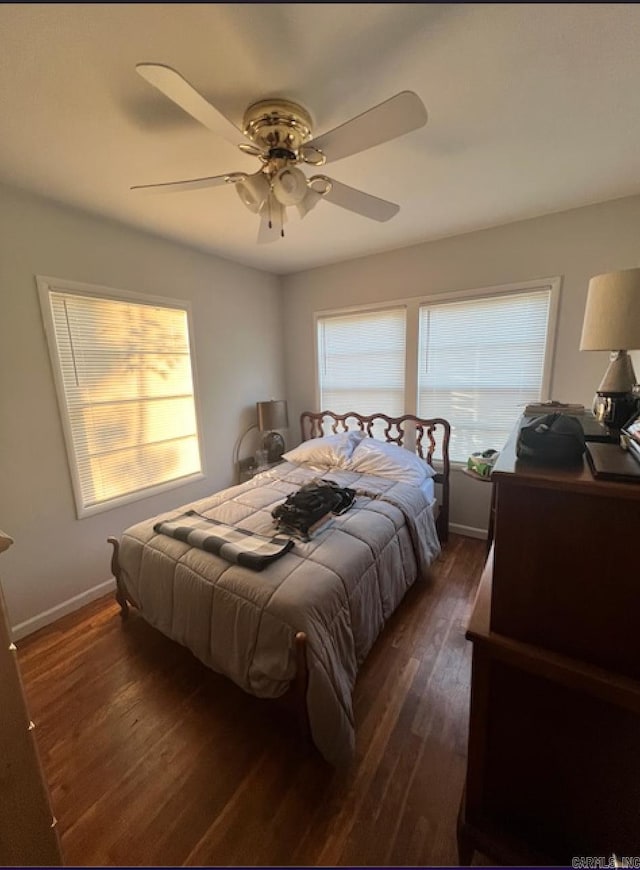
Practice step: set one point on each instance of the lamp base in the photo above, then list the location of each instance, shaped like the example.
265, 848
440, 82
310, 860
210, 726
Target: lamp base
619, 376
613, 409
614, 401
273, 443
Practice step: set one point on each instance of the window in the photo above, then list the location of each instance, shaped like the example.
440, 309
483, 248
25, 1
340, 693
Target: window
481, 361
126, 391
475, 358
361, 361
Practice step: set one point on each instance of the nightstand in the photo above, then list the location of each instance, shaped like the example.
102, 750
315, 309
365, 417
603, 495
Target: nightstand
248, 469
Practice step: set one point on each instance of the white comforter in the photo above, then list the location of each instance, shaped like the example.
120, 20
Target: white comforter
340, 589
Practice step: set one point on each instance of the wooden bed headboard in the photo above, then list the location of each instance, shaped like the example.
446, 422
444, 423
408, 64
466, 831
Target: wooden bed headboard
431, 442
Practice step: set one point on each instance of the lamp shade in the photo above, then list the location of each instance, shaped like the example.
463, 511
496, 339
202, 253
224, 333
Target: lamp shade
612, 313
272, 415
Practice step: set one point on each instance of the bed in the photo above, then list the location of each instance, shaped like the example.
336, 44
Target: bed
303, 626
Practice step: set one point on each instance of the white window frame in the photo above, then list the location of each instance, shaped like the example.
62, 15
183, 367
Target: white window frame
412, 306
46, 285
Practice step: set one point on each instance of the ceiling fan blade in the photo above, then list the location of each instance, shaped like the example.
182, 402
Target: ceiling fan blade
393, 118
177, 88
191, 183
362, 203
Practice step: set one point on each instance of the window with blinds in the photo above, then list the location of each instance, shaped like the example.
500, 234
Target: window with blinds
126, 392
481, 361
361, 361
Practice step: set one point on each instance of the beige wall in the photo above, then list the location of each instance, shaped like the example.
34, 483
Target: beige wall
239, 359
240, 321
574, 245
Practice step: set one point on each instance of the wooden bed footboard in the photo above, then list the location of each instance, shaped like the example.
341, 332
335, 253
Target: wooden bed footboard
295, 696
430, 436
121, 595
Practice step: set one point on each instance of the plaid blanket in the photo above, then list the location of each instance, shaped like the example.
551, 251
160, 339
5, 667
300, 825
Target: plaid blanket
232, 543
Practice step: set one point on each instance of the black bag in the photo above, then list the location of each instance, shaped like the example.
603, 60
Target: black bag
556, 439
313, 501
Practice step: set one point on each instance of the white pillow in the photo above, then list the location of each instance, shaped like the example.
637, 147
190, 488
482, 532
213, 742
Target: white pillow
331, 451
389, 460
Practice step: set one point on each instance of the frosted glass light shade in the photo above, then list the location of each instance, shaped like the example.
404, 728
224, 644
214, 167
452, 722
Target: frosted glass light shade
311, 199
253, 191
289, 185
612, 313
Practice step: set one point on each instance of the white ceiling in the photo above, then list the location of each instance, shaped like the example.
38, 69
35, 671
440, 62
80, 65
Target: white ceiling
533, 108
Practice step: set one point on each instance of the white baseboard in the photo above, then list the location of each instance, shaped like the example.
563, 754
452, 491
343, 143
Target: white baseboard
54, 613
29, 626
48, 616
468, 531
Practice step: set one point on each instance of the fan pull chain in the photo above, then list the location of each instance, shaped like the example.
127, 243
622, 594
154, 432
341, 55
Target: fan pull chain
281, 213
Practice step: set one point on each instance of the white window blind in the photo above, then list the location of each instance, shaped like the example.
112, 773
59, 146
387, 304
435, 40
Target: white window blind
480, 361
361, 362
126, 381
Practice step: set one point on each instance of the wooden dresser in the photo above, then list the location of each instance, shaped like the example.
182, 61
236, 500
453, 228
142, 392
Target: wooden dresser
28, 834
554, 734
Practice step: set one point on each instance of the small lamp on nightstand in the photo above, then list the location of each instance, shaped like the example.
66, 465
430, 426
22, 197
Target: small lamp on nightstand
271, 416
612, 322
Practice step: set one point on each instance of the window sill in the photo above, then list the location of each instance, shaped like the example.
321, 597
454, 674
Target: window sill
89, 511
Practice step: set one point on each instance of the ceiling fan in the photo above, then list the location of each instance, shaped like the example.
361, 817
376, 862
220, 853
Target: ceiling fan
279, 133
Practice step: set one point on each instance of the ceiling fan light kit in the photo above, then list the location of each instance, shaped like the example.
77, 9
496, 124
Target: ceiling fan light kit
289, 185
313, 195
279, 133
253, 191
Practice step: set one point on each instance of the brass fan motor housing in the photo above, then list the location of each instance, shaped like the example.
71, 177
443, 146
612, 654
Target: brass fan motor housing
277, 123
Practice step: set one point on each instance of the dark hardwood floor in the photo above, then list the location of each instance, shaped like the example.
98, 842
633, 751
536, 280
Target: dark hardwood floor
153, 759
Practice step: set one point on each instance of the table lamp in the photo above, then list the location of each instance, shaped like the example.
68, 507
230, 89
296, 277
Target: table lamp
612, 322
272, 415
